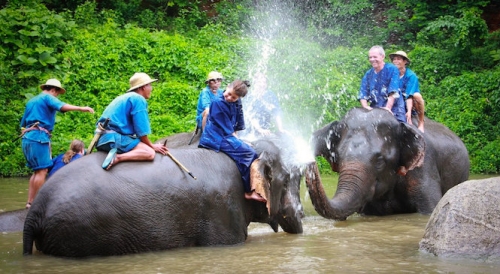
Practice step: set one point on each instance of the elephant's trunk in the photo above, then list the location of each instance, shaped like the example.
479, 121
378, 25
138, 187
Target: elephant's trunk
348, 198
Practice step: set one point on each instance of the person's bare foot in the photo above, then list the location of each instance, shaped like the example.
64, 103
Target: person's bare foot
28, 205
113, 162
254, 196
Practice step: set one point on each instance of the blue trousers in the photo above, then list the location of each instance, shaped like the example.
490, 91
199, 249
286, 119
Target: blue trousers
243, 156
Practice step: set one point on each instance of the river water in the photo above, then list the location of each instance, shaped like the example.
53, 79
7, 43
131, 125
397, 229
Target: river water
359, 245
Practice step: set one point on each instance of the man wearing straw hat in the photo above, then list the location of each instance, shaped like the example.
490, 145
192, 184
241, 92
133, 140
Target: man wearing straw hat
126, 136
210, 93
409, 86
37, 124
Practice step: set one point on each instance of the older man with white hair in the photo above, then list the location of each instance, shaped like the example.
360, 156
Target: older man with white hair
380, 86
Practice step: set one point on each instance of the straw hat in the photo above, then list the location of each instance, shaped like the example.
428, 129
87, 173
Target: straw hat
140, 79
53, 83
400, 53
213, 75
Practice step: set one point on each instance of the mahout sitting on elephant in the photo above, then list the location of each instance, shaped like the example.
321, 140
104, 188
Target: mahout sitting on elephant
385, 166
84, 210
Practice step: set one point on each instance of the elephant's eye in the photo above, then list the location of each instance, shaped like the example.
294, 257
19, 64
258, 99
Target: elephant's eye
380, 163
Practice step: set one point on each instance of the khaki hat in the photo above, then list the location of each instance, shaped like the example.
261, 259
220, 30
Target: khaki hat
140, 79
214, 75
400, 53
54, 83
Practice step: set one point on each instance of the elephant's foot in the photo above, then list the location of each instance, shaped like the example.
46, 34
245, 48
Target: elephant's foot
254, 196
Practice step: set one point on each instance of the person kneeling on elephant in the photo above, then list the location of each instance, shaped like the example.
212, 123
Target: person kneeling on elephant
126, 136
225, 118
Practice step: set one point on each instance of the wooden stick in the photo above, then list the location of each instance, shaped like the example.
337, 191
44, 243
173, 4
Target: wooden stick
179, 163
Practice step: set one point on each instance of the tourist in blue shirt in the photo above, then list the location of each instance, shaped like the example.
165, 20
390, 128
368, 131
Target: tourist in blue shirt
409, 87
262, 109
225, 118
380, 85
75, 152
37, 124
211, 92
126, 137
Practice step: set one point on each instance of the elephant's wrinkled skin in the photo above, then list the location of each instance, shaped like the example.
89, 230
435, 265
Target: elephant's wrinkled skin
385, 167
83, 210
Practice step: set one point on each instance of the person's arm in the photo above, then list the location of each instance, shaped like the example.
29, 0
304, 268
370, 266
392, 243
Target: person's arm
363, 95
157, 147
364, 103
68, 107
409, 107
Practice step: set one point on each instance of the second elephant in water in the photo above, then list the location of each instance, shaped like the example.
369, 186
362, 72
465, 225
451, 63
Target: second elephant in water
385, 167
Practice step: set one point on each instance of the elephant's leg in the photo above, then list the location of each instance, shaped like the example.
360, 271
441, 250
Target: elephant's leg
424, 191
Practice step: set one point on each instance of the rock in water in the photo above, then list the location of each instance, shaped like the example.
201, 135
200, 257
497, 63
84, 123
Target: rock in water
466, 222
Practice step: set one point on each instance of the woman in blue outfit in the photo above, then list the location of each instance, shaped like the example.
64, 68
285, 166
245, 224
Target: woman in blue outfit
75, 152
126, 137
37, 124
225, 118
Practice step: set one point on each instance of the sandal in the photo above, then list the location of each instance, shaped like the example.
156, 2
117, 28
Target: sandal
108, 162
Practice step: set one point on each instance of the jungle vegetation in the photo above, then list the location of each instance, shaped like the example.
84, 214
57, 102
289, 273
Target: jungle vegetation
314, 53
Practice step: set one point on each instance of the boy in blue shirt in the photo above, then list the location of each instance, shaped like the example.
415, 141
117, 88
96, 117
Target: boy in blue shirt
38, 122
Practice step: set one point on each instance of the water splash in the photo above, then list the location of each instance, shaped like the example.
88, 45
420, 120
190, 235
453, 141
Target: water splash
283, 51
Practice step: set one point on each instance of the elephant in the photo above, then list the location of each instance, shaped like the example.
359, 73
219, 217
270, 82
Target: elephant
83, 210
385, 167
12, 221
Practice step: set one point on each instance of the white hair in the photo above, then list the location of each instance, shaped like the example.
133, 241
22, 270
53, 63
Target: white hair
380, 49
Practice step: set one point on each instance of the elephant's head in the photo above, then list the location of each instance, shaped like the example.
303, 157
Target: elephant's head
283, 183
368, 149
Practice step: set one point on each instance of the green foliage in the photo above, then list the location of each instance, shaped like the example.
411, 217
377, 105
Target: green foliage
469, 105
314, 54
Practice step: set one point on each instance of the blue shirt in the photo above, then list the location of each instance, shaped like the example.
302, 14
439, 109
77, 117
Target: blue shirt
128, 115
224, 119
264, 108
41, 108
57, 163
408, 84
376, 88
204, 100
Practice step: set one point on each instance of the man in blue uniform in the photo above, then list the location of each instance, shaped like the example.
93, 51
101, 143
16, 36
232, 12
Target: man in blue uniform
126, 137
38, 122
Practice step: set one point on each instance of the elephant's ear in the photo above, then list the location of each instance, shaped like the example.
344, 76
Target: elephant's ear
267, 167
412, 147
325, 140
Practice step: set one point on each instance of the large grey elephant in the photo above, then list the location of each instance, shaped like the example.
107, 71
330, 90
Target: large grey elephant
83, 210
385, 167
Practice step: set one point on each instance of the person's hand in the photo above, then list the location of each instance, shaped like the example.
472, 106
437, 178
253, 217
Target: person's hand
264, 132
368, 107
408, 118
160, 148
88, 109
386, 108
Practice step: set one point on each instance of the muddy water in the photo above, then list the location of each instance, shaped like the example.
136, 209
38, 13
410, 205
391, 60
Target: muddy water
359, 245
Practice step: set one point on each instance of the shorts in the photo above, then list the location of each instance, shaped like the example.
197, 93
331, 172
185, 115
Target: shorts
123, 143
37, 154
